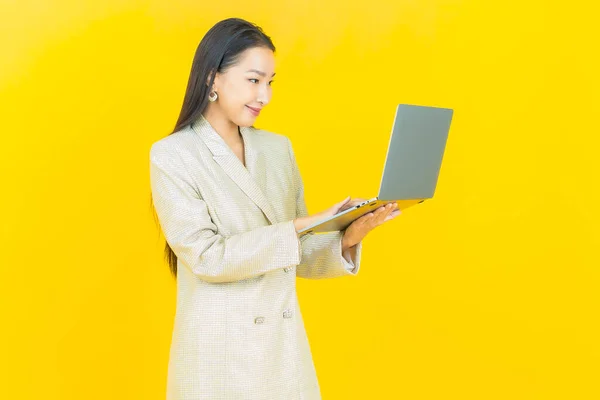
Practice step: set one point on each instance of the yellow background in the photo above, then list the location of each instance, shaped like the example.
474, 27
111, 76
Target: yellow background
488, 291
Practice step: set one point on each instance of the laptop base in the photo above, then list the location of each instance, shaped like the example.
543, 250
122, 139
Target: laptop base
343, 220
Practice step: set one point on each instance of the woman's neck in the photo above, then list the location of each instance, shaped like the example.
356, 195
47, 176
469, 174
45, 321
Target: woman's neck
224, 127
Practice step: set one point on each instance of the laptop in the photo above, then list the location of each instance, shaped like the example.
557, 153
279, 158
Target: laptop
411, 168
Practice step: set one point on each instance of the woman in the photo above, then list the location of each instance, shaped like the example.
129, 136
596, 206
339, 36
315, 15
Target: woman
230, 201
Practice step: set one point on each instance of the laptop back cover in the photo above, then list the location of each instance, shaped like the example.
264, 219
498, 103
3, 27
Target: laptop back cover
415, 152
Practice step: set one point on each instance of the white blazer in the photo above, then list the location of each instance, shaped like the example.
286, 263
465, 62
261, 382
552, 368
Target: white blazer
238, 331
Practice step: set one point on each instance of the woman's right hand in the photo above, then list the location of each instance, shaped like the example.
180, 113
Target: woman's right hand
303, 222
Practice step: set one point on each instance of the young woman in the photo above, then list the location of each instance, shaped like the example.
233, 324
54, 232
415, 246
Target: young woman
229, 198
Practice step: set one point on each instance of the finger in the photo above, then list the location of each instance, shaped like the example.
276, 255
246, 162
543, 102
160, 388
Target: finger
374, 218
376, 215
383, 211
387, 210
341, 205
366, 218
346, 207
354, 202
394, 210
393, 215
384, 208
351, 203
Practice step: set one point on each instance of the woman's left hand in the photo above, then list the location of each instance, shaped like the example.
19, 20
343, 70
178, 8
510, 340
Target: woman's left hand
351, 204
359, 228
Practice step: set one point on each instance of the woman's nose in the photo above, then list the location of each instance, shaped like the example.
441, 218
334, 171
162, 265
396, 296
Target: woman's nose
263, 96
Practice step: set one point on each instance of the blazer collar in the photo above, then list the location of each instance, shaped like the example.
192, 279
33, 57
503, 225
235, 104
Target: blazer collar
245, 177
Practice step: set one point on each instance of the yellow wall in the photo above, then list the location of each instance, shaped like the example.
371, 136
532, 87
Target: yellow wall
489, 291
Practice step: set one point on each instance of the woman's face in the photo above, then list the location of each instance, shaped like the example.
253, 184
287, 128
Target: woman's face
246, 86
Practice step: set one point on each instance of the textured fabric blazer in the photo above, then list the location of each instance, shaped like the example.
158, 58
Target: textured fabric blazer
238, 331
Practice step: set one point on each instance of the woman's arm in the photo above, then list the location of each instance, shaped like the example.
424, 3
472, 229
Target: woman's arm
194, 238
322, 254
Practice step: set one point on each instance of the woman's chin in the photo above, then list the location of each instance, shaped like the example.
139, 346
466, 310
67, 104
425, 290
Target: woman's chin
247, 121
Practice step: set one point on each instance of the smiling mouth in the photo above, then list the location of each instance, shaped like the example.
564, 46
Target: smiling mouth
254, 111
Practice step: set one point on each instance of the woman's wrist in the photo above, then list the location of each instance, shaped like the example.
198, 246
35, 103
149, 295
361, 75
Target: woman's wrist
298, 224
346, 244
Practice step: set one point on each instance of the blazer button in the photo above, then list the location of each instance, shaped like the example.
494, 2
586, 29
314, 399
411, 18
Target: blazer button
288, 269
287, 313
259, 320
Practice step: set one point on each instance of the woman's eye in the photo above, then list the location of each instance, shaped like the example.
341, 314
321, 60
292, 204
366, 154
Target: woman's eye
254, 79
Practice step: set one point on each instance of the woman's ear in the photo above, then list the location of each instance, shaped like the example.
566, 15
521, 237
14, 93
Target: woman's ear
210, 74
214, 86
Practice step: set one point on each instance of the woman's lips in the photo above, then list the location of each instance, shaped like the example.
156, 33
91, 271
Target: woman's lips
254, 111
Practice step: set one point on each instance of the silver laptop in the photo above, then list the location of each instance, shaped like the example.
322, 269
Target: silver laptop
411, 168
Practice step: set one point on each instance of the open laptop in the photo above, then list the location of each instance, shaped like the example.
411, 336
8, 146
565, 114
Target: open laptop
411, 168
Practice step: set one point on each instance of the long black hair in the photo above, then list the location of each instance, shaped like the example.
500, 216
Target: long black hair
218, 50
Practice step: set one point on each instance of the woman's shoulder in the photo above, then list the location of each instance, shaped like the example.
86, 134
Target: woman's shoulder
172, 143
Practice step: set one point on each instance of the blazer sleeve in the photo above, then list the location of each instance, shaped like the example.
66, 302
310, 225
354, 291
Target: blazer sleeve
321, 255
194, 238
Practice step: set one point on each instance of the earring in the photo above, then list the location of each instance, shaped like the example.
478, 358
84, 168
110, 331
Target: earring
212, 98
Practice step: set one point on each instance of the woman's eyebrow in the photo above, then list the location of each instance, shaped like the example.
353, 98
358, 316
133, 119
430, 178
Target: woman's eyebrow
260, 72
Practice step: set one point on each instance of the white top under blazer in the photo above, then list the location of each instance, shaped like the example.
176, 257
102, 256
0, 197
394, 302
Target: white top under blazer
238, 332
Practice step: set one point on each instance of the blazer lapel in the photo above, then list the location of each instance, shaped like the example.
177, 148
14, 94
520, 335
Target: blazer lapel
245, 177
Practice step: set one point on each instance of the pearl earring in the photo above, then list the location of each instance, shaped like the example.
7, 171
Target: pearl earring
212, 97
